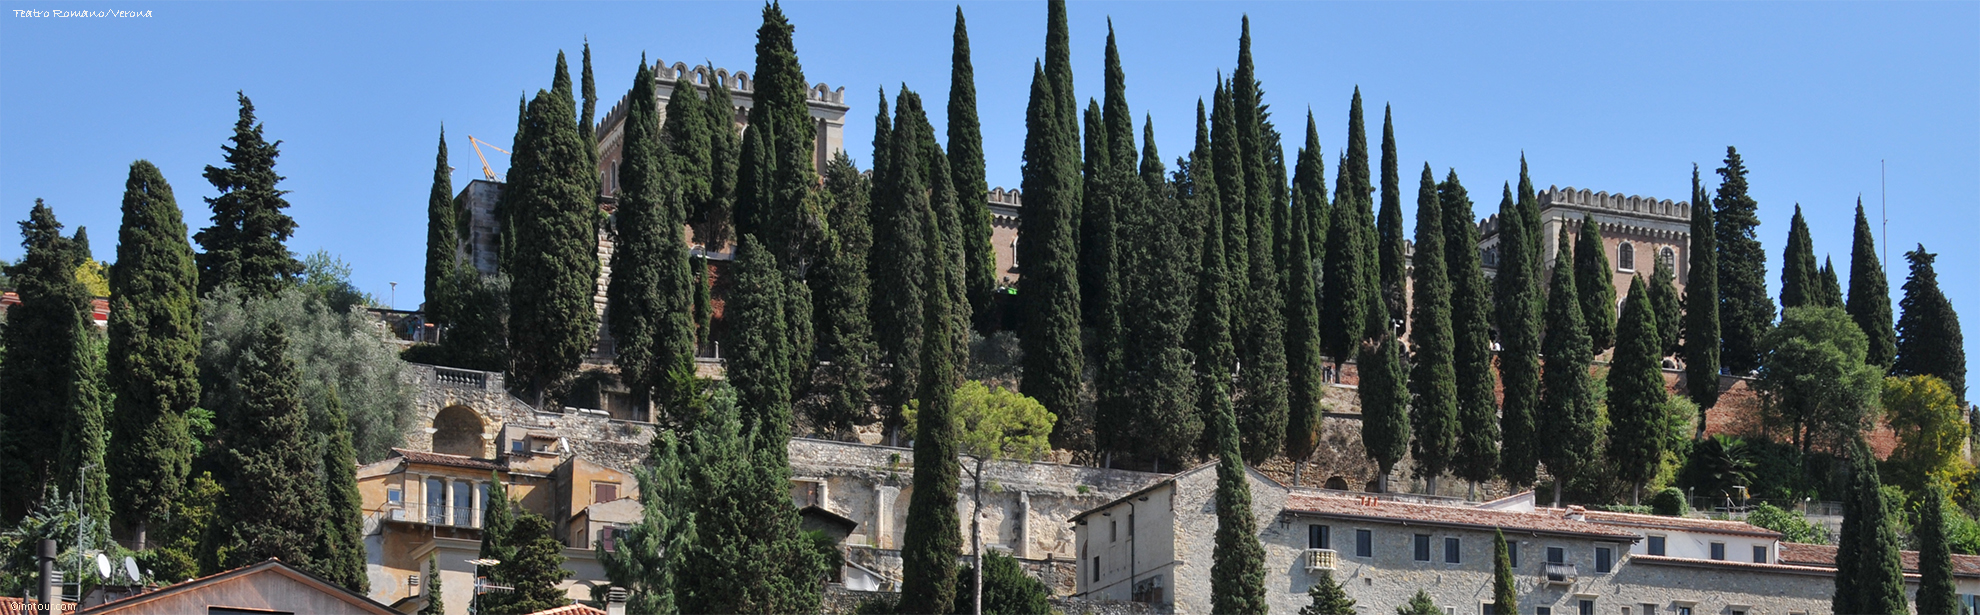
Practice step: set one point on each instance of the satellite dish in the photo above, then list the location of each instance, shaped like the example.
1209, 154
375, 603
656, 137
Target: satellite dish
130, 568
103, 566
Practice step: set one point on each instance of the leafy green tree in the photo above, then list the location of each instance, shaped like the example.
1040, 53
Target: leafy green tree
339, 549
442, 239
554, 262
717, 214
1937, 592
747, 552
1505, 591
1419, 604
1433, 411
1929, 342
1566, 402
1302, 319
1701, 305
1237, 568
1592, 275
1869, 578
992, 424
840, 282
1516, 301
434, 604
930, 545
1664, 306
246, 245
1007, 590
1813, 380
1669, 502
1047, 238
966, 169
758, 365
1476, 458
1327, 597
649, 298
1801, 280
1745, 310
1869, 302
1636, 393
1931, 429
496, 520
1389, 224
1793, 526
534, 568
775, 175
274, 500
45, 368
181, 550
688, 139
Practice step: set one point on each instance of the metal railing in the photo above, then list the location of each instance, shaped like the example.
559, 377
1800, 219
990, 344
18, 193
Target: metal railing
447, 516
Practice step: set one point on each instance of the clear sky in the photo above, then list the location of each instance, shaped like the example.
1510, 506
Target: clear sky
1617, 97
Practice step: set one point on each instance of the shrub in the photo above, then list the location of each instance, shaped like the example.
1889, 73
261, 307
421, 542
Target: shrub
1670, 503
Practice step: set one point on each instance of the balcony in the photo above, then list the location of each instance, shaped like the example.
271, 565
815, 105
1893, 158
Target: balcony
1321, 559
442, 516
1557, 574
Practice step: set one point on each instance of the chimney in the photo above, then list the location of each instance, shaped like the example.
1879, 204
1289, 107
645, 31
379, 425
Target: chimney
615, 601
48, 595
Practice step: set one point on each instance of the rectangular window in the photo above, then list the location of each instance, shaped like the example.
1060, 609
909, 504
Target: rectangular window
395, 496
1488, 609
1364, 543
463, 505
1512, 553
1656, 545
1586, 607
604, 492
436, 501
1113, 531
1684, 610
1556, 555
1318, 537
1096, 569
1759, 554
1422, 547
1450, 550
1649, 609
1604, 559
1625, 611
1719, 550
1543, 610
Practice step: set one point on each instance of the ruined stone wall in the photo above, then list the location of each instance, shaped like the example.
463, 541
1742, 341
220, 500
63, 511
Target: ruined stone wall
614, 443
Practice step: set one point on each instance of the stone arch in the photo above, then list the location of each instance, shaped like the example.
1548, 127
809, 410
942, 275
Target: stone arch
458, 430
1337, 483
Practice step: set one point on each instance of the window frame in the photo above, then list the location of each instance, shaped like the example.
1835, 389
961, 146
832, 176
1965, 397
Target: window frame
1717, 552
1453, 550
1657, 544
1625, 257
1553, 551
1762, 555
1319, 536
1512, 553
1364, 543
1420, 547
1605, 559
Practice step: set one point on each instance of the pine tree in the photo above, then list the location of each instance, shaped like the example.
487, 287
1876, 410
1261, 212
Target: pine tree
442, 241
1048, 246
1929, 342
339, 551
1505, 590
1237, 568
649, 298
43, 367
901, 195
274, 495
1937, 592
651, 553
1745, 311
1419, 604
535, 568
1389, 224
1801, 280
1869, 577
1327, 597
845, 335
1302, 343
1870, 293
1567, 406
245, 247
434, 605
554, 262
1701, 305
1156, 318
1476, 458
1636, 393
966, 169
1433, 410
1210, 331
1517, 300
1593, 274
932, 541
1831, 289
1664, 305
759, 360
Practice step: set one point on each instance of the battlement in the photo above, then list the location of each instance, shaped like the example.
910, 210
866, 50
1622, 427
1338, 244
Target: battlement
1641, 206
1010, 198
739, 84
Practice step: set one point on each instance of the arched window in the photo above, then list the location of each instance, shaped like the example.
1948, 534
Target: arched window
1626, 257
1670, 258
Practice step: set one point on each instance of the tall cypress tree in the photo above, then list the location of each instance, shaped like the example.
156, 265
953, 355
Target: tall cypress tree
1505, 590
44, 364
1869, 301
1746, 313
84, 434
724, 157
1098, 284
434, 605
1831, 289
688, 138
759, 365
901, 195
1517, 300
1048, 246
271, 507
154, 342
442, 242
1664, 305
1262, 336
339, 553
946, 212
932, 540
1937, 592
1348, 285
1869, 575
1477, 454
1385, 399
1929, 342
1310, 181
1302, 325
534, 568
497, 517
1389, 224
748, 553
554, 266
246, 246
586, 115
1156, 318
1636, 393
651, 289
840, 282
1227, 162
966, 169
1237, 567
1567, 405
1801, 280
1701, 305
1433, 411
1210, 330
1593, 274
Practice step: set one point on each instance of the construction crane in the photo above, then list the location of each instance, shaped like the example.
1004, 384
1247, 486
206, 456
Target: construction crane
477, 143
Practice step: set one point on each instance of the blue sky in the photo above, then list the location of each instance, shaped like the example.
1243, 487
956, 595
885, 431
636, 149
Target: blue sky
1619, 97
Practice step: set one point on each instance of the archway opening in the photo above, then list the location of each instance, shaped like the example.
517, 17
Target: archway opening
1337, 483
457, 430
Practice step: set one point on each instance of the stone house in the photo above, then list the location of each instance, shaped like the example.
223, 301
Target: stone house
268, 587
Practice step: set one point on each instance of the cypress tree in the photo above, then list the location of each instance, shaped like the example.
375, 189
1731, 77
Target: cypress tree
434, 605
1098, 285
1327, 597
585, 127
1929, 342
1593, 274
1227, 161
554, 265
44, 364
946, 213
686, 135
442, 243
1937, 592
773, 209
1262, 385
339, 551
1869, 301
1348, 286
1477, 455
1237, 567
1210, 331
271, 506
650, 292
1664, 305
1505, 591
84, 434
496, 519
901, 197
1869, 575
724, 158
1264, 190
1746, 313
966, 169
932, 540
1385, 405
1302, 325
1433, 409
1156, 318
759, 365
704, 304
1636, 393
534, 569
1048, 247
1801, 280
1517, 300
1701, 305
748, 553
845, 335
1831, 289
1389, 224
246, 246
1311, 182
1567, 406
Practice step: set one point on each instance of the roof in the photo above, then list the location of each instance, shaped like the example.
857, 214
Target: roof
1689, 524
444, 459
1824, 556
23, 606
570, 609
1171, 480
1552, 521
1691, 562
829, 517
268, 565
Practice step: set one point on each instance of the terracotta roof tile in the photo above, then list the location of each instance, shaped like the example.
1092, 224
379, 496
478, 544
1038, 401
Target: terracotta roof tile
1713, 563
1824, 556
570, 609
1546, 521
1738, 528
444, 459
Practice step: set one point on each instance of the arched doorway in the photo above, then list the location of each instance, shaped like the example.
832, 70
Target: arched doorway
1337, 483
457, 430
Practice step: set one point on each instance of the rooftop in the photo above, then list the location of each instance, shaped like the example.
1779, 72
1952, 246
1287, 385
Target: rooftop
1692, 524
1546, 521
443, 459
1824, 556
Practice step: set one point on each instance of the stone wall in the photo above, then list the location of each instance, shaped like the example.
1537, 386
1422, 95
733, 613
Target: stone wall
614, 443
